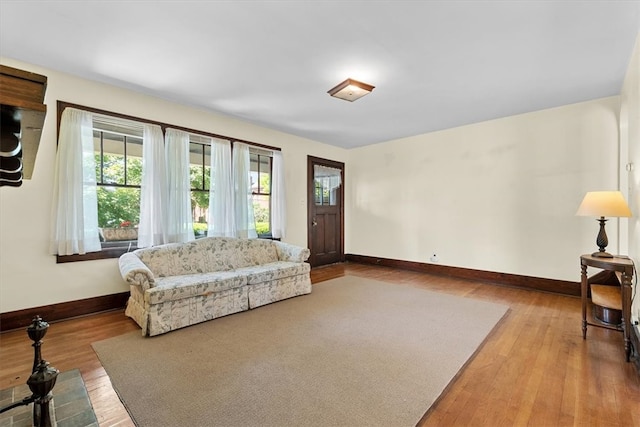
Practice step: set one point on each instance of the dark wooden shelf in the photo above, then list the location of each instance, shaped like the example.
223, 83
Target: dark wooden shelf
23, 112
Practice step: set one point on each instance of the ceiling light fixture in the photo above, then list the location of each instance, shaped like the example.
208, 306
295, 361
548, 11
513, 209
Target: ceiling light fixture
350, 90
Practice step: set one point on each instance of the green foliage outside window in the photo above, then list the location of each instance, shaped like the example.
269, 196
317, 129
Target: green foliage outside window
118, 204
261, 217
261, 211
200, 198
262, 228
200, 229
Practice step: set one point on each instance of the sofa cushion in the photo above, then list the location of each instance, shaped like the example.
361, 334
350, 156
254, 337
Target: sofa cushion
230, 254
174, 259
273, 271
185, 286
250, 252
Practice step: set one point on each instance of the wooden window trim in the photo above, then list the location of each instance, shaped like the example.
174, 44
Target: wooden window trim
105, 253
61, 105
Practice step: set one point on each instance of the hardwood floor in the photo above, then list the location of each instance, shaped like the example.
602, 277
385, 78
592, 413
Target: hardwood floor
533, 370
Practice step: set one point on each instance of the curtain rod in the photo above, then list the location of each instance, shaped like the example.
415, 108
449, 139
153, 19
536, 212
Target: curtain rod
63, 104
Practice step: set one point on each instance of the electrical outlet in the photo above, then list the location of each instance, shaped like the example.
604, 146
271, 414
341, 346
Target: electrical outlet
434, 257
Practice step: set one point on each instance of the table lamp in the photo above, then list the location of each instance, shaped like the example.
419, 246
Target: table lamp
603, 204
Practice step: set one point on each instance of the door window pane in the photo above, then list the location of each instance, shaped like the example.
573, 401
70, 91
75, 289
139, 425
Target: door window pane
327, 181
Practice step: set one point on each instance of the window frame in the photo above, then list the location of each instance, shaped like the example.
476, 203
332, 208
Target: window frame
126, 245
205, 188
116, 252
268, 235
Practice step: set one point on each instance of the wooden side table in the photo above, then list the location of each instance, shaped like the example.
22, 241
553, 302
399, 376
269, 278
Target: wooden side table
615, 264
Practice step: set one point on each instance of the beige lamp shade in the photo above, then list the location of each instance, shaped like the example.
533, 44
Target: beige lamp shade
604, 204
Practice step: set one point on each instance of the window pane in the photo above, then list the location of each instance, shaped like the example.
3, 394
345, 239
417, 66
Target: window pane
200, 229
207, 166
118, 206
113, 159
113, 169
325, 195
265, 175
260, 173
97, 150
261, 212
197, 167
196, 177
200, 159
254, 171
200, 206
318, 193
327, 182
134, 161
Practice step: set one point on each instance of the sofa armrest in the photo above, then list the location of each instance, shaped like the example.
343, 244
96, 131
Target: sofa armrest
289, 252
135, 272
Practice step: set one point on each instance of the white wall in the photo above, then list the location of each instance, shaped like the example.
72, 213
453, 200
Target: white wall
498, 196
630, 143
29, 276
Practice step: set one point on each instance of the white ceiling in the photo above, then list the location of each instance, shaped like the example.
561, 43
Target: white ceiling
435, 64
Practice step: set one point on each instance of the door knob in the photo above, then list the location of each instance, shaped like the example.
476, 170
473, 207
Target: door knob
314, 222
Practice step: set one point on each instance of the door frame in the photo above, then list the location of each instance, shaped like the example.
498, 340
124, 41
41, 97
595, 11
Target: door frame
311, 160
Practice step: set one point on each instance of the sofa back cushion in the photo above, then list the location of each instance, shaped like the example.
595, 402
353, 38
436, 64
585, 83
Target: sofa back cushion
206, 255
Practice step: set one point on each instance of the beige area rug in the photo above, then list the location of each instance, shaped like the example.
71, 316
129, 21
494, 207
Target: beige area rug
355, 352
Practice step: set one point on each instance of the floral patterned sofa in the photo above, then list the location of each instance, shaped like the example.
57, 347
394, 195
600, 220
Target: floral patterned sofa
181, 284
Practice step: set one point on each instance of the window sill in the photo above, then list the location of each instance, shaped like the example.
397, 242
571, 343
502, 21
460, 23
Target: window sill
109, 250
267, 237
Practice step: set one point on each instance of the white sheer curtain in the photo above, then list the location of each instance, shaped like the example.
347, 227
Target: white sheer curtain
278, 200
153, 194
328, 177
179, 225
245, 223
74, 216
221, 213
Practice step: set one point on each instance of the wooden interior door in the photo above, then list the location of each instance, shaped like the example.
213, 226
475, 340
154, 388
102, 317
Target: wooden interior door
325, 215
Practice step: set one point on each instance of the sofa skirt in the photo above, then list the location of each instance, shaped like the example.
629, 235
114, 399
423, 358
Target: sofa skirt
162, 317
279, 289
156, 319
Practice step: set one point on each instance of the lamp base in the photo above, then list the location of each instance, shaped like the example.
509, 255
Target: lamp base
602, 255
602, 241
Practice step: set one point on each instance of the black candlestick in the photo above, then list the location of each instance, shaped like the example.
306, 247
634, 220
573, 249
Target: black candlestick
42, 379
41, 383
36, 331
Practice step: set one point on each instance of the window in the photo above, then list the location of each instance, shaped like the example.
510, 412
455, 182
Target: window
326, 182
118, 156
261, 190
118, 150
200, 170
